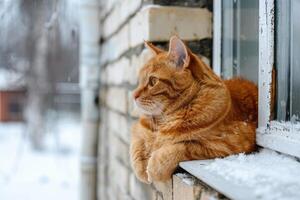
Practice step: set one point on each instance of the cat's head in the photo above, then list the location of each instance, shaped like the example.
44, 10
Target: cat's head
168, 78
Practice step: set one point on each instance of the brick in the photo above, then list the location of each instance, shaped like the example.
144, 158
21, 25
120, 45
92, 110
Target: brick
139, 190
119, 125
120, 14
156, 196
103, 76
107, 7
185, 3
102, 95
187, 23
137, 62
125, 70
120, 153
111, 193
102, 156
116, 99
132, 108
206, 195
182, 190
165, 189
125, 197
131, 75
119, 176
112, 22
154, 23
118, 71
115, 46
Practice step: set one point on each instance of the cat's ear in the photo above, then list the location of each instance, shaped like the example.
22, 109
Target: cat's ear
178, 52
153, 48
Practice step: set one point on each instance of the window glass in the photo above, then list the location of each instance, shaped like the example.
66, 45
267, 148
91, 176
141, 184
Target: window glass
295, 57
287, 59
240, 39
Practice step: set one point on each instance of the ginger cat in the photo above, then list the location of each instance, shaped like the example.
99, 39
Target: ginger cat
189, 113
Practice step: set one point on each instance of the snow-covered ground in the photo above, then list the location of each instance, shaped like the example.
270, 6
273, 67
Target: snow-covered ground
26, 174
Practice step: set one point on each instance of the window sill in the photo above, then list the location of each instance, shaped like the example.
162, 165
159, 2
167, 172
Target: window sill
263, 175
280, 136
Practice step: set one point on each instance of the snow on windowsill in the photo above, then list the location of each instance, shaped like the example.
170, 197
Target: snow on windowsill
262, 175
280, 136
187, 179
285, 129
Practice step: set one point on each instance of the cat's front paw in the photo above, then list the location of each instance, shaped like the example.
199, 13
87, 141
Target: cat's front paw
142, 176
159, 169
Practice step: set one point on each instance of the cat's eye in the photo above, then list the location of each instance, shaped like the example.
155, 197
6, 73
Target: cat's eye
152, 81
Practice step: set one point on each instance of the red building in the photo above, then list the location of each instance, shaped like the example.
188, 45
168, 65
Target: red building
12, 96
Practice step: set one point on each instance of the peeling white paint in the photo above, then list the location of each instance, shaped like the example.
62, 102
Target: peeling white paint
281, 136
217, 36
266, 60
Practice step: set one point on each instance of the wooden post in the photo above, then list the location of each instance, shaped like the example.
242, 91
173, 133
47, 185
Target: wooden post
89, 83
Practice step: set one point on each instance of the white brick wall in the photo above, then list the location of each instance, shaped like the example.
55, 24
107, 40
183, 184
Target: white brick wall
132, 108
115, 46
117, 70
137, 189
125, 70
154, 23
118, 124
125, 26
116, 99
122, 11
137, 62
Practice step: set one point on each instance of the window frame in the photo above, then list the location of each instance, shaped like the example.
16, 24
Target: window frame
230, 38
217, 36
269, 134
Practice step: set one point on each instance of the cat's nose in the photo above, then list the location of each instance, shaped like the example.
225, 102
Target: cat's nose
136, 95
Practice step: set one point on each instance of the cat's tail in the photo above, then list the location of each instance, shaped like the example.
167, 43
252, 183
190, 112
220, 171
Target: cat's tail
244, 95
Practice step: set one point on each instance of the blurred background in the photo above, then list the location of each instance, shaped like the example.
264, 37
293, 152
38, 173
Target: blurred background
39, 99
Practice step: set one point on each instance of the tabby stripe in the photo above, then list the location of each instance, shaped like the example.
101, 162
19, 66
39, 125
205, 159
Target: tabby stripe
188, 142
166, 81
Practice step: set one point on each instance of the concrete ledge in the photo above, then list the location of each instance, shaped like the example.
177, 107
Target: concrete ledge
158, 23
262, 175
184, 187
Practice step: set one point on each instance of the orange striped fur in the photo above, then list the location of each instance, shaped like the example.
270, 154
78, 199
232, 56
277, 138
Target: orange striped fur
189, 113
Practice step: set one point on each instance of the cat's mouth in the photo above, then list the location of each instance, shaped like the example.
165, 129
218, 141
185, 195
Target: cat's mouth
148, 108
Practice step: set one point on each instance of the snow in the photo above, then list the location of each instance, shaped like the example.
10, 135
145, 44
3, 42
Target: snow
270, 175
186, 178
281, 136
10, 79
26, 174
287, 129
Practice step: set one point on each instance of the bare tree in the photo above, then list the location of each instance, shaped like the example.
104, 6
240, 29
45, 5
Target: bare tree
38, 77
39, 39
